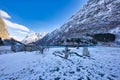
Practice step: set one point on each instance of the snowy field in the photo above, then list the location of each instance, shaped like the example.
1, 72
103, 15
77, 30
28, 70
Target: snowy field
104, 64
5, 48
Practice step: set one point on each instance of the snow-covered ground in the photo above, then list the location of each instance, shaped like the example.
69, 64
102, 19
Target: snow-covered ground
5, 48
104, 64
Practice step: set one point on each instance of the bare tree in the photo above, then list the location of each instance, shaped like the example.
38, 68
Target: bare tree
65, 53
41, 49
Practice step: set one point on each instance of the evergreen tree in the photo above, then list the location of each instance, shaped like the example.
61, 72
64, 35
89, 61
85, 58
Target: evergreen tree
1, 42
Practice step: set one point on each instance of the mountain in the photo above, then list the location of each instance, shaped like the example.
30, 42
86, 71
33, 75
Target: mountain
3, 31
33, 37
95, 18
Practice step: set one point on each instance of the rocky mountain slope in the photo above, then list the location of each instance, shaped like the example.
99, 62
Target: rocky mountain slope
95, 17
33, 37
3, 31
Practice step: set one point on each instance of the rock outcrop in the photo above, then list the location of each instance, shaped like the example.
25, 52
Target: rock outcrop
3, 30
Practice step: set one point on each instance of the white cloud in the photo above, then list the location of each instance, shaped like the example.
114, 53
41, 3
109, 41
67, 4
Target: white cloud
15, 25
17, 34
17, 38
4, 14
22, 32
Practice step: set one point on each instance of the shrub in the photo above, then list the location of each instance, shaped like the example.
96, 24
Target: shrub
106, 37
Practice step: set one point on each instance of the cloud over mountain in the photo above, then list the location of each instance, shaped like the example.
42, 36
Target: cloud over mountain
4, 14
15, 25
15, 29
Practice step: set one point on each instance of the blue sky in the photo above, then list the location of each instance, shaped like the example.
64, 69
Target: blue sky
41, 15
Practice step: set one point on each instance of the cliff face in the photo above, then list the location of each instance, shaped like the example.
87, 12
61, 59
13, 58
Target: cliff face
3, 31
95, 17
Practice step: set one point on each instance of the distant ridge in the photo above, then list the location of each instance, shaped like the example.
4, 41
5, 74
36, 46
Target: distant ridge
33, 37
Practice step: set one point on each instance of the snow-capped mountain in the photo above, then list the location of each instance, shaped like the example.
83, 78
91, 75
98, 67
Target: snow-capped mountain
33, 37
95, 17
